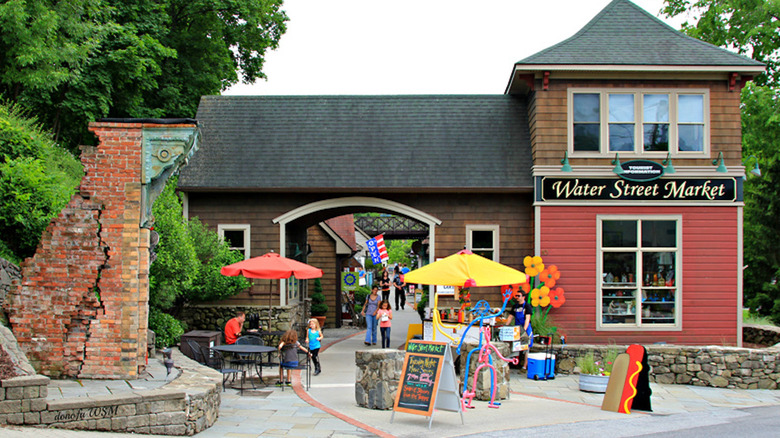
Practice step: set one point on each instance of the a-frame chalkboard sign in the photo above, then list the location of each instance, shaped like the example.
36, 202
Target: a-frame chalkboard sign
428, 381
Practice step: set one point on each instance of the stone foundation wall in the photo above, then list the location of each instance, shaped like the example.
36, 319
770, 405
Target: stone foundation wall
377, 375
207, 317
720, 367
186, 406
761, 334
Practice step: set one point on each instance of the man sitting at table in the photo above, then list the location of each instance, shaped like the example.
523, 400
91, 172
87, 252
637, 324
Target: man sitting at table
233, 328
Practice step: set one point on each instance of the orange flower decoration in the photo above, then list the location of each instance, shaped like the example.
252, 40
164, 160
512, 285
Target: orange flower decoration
556, 297
550, 275
526, 287
533, 265
540, 297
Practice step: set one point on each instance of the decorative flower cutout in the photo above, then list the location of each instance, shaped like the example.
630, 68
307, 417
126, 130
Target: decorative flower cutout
556, 297
540, 297
526, 287
550, 275
533, 265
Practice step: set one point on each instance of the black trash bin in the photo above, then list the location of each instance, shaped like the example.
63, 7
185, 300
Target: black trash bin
205, 338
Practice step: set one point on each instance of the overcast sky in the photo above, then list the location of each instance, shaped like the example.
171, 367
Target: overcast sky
416, 46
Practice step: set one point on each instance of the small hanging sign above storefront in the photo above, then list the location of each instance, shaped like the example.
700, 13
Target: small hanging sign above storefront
641, 170
609, 189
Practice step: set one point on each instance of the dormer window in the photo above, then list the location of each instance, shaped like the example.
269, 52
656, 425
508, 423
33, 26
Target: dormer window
642, 122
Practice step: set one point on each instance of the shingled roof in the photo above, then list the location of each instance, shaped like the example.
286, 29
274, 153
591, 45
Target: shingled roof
361, 143
625, 34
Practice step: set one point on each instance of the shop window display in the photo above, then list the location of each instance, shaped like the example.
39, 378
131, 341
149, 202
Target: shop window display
638, 273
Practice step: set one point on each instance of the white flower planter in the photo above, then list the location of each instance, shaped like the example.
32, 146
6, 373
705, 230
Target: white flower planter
593, 383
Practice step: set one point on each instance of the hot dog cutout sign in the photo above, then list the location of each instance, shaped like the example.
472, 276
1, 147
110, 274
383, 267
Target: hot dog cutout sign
629, 383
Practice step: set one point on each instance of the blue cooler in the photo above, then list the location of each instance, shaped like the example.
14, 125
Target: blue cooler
536, 366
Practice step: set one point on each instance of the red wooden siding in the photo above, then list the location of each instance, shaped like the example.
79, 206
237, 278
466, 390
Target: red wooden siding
709, 273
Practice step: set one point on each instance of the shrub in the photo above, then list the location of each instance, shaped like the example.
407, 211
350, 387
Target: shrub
589, 365
167, 329
361, 292
318, 306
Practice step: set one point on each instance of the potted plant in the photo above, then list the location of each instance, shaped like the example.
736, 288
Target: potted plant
318, 306
594, 374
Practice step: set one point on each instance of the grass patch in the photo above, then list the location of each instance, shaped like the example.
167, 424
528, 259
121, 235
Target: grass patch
752, 318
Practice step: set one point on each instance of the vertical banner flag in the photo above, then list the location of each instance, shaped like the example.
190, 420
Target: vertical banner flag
377, 250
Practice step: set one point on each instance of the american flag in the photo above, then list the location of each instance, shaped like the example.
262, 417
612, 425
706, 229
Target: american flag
377, 249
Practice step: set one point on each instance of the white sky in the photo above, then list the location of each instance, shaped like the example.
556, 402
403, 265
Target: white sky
416, 46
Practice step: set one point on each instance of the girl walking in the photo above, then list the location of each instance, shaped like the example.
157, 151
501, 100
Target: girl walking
314, 334
385, 317
369, 311
289, 355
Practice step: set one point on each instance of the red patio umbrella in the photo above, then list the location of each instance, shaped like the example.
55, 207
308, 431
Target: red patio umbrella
272, 266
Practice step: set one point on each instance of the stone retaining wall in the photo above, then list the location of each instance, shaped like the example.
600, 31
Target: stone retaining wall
207, 317
720, 367
186, 406
761, 334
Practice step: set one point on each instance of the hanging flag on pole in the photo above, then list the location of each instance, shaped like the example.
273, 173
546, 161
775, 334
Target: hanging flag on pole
377, 249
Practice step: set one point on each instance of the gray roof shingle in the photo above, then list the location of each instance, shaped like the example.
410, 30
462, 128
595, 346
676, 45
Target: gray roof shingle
262, 143
625, 34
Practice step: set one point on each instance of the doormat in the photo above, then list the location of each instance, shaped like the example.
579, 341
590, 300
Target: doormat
257, 393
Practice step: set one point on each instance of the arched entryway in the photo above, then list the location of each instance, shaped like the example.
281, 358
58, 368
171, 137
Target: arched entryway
352, 202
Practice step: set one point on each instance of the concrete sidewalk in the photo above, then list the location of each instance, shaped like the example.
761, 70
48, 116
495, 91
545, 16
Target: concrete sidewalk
548, 408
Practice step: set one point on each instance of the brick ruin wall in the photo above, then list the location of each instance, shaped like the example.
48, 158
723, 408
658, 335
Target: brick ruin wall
81, 309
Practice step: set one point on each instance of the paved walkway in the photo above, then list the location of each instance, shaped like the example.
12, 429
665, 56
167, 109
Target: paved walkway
547, 408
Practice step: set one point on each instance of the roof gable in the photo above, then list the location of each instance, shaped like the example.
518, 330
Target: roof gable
625, 34
361, 143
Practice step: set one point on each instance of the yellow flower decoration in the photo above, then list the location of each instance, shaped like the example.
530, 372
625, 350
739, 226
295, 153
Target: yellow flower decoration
540, 297
533, 265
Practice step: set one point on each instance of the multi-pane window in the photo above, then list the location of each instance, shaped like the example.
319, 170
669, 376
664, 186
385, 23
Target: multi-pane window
639, 272
236, 236
483, 240
647, 121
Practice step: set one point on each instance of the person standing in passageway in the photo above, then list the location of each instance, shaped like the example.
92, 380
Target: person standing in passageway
233, 328
369, 311
384, 284
385, 317
400, 286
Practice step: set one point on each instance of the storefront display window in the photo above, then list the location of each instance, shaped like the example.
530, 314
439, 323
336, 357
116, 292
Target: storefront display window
639, 273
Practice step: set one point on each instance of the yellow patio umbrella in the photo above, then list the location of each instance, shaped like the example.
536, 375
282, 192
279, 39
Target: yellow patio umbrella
465, 269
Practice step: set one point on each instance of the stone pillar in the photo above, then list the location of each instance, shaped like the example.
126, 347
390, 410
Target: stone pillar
483, 380
377, 376
81, 309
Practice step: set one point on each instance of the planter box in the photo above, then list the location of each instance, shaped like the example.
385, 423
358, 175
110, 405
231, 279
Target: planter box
593, 383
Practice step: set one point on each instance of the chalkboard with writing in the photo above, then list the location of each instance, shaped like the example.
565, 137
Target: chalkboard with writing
427, 380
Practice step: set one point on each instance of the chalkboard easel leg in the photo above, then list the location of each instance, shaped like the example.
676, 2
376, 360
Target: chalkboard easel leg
430, 420
391, 417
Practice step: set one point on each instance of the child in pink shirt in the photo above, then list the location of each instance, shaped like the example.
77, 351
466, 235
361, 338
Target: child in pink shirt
385, 317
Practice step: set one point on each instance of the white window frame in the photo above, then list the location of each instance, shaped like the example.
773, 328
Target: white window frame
246, 228
484, 227
638, 94
678, 275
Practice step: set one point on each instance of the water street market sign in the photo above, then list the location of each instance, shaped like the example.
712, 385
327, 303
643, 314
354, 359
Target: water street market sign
608, 189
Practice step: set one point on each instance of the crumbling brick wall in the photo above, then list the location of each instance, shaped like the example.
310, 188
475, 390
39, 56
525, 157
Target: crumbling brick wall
81, 309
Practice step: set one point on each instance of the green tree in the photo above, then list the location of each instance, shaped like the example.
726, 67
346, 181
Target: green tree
213, 253
751, 27
71, 62
761, 138
189, 259
176, 266
37, 179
